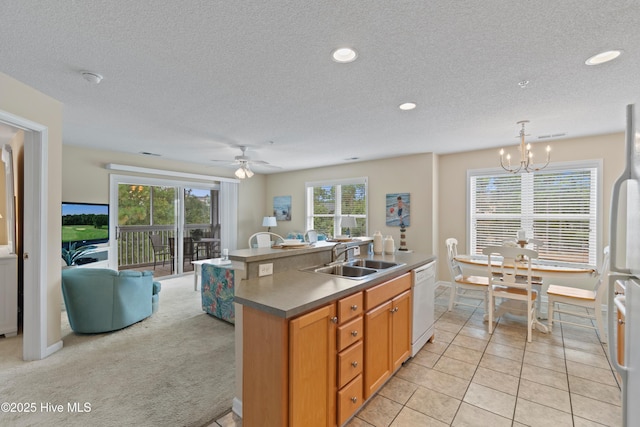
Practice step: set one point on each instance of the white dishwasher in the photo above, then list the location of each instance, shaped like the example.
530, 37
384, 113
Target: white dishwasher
424, 284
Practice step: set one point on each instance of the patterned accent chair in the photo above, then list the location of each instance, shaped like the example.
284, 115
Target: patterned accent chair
217, 290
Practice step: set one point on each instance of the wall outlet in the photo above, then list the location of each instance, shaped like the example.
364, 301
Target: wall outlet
356, 251
265, 269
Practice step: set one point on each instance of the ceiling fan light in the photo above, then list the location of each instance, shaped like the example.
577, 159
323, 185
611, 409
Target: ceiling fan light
248, 172
240, 173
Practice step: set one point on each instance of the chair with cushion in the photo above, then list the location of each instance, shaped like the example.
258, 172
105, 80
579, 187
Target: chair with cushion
461, 283
217, 291
510, 278
103, 300
264, 239
588, 299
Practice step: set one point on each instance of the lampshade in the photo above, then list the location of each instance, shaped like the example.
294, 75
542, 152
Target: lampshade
349, 221
269, 221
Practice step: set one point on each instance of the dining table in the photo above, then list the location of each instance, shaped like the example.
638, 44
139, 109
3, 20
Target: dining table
208, 243
544, 274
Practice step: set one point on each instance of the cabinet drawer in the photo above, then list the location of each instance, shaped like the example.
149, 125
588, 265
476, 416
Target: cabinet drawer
349, 399
349, 333
350, 363
386, 291
349, 307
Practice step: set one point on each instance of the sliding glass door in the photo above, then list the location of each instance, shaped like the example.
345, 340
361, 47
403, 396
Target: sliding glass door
162, 225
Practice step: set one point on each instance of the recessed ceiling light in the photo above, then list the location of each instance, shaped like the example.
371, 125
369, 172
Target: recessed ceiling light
603, 57
344, 55
407, 106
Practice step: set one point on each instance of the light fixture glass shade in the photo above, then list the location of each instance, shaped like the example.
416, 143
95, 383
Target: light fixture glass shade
269, 221
240, 173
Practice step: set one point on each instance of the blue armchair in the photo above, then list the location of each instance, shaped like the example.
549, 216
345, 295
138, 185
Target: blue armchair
102, 300
217, 290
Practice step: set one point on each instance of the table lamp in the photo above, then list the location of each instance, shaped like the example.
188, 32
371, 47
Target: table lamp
269, 221
348, 222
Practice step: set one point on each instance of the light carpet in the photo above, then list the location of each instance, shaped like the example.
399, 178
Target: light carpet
175, 368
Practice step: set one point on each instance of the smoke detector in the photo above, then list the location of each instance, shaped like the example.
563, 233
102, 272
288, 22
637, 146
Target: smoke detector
91, 77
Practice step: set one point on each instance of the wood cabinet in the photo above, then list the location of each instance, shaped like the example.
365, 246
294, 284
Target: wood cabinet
289, 369
319, 368
312, 364
350, 356
387, 323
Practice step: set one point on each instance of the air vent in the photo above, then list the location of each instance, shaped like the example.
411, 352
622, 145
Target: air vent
146, 153
555, 135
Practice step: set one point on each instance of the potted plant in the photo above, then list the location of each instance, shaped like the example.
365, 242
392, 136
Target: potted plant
72, 254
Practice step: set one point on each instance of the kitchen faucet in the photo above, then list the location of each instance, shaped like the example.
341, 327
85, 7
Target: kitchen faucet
340, 249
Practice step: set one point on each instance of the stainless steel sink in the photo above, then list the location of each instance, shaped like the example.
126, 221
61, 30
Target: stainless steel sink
372, 263
354, 269
345, 270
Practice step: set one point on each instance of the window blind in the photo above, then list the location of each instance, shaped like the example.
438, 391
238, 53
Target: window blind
558, 207
328, 201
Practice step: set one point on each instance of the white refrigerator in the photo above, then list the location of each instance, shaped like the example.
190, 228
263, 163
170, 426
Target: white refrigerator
625, 269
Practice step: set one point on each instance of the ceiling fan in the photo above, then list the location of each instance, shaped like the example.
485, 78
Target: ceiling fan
244, 163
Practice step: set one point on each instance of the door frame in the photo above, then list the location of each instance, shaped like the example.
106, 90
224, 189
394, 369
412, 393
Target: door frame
35, 240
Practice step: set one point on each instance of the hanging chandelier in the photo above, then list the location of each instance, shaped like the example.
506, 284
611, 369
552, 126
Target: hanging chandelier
526, 156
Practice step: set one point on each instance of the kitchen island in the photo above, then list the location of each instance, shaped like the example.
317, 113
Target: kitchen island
313, 347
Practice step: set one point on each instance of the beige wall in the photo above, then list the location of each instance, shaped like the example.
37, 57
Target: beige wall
409, 174
453, 182
22, 101
93, 187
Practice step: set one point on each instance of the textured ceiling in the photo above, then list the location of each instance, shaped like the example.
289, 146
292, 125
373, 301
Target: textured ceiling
192, 80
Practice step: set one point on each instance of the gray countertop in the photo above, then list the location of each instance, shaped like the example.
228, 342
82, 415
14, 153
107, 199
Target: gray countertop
293, 292
261, 254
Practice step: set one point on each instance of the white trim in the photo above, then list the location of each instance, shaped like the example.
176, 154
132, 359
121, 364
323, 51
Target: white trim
343, 181
35, 239
236, 406
162, 172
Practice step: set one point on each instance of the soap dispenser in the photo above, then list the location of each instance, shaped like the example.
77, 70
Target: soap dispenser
377, 243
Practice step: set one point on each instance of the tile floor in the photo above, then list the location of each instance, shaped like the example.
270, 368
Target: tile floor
467, 377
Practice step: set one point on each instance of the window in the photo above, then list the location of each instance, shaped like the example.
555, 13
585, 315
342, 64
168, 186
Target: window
558, 206
328, 201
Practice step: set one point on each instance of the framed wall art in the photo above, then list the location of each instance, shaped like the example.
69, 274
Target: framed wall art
282, 208
398, 206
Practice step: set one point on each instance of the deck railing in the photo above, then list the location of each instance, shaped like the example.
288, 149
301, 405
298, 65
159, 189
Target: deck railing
134, 244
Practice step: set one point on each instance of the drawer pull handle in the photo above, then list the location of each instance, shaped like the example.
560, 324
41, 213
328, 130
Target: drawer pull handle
354, 363
354, 399
334, 319
354, 333
354, 307
620, 321
394, 310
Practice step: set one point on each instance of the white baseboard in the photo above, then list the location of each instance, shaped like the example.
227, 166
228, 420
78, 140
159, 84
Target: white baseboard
236, 407
53, 348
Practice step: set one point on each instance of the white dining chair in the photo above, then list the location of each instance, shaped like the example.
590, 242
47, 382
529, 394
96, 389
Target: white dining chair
510, 277
311, 236
590, 300
461, 283
264, 239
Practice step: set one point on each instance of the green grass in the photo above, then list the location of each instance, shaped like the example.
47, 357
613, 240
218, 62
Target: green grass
72, 233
